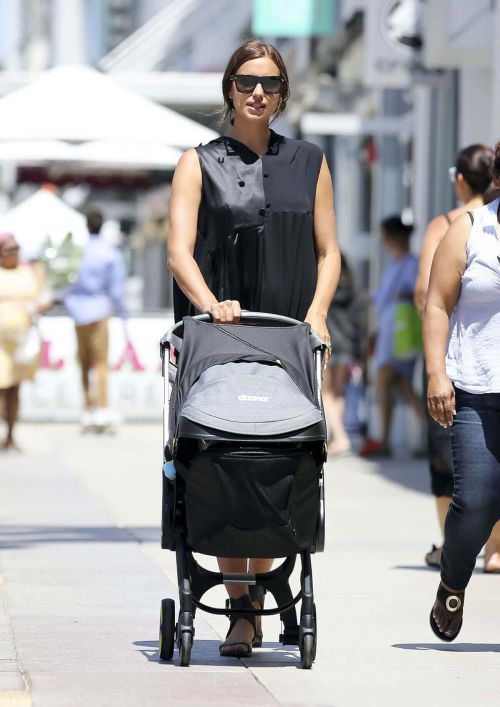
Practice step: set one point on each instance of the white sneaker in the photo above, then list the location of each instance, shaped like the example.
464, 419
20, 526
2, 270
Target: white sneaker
105, 420
87, 420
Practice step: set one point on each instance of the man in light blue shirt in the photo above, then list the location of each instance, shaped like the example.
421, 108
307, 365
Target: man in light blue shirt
97, 294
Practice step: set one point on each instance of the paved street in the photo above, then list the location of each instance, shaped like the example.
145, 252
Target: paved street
82, 576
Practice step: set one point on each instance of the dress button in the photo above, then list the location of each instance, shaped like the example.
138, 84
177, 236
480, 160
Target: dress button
220, 159
262, 212
241, 183
266, 175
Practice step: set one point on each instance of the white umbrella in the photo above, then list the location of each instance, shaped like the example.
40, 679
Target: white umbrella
99, 155
79, 104
41, 215
34, 150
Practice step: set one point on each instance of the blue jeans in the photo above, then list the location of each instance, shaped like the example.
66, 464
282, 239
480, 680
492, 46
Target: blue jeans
475, 441
439, 444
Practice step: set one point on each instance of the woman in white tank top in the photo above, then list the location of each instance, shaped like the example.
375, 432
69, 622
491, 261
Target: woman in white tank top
471, 177
462, 354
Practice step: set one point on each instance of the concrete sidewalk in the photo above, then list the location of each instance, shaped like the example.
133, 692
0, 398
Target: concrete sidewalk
83, 578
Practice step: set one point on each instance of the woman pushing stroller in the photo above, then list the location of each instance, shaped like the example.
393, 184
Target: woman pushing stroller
252, 227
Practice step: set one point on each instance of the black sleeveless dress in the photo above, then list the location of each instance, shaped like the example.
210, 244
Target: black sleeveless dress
255, 240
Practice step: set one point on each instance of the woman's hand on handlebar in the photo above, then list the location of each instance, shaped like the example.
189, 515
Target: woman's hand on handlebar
318, 323
227, 312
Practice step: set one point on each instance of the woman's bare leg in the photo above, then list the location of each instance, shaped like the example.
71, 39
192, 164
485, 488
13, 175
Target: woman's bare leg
443, 503
492, 550
3, 397
242, 630
337, 379
385, 378
260, 564
11, 412
237, 565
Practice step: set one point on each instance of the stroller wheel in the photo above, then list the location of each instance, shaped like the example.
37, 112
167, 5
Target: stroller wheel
167, 629
307, 639
307, 651
185, 645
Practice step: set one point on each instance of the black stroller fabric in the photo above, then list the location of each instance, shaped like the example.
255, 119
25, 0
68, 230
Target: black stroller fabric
285, 358
257, 494
251, 501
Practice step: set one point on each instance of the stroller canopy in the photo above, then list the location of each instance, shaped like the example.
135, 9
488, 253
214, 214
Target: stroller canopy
247, 379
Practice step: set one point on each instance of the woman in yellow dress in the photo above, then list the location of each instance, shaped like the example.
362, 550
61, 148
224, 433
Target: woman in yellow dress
19, 304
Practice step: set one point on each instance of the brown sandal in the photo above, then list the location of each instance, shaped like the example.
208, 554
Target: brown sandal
245, 651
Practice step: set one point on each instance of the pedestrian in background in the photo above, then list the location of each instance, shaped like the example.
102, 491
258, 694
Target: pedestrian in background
252, 225
471, 177
20, 303
344, 326
97, 293
463, 368
397, 339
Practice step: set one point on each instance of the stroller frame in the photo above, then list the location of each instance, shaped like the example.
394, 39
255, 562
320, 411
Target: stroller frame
194, 580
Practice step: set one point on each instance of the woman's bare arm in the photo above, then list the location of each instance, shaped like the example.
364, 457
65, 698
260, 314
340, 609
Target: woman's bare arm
433, 236
448, 267
327, 253
183, 219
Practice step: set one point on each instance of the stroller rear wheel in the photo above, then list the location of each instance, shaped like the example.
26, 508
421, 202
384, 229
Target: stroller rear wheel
167, 629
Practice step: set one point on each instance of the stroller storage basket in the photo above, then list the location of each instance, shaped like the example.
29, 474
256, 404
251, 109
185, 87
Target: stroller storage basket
251, 501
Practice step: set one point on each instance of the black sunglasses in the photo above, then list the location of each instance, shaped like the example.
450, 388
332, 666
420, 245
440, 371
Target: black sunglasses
246, 83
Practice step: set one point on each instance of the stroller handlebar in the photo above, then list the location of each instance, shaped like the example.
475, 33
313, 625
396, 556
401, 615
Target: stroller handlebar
174, 335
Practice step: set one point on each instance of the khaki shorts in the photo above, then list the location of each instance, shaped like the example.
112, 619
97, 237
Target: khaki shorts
93, 342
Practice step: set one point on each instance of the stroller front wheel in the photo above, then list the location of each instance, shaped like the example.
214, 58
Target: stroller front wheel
308, 639
307, 651
185, 645
167, 629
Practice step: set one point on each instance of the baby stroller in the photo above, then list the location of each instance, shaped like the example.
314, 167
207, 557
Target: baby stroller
244, 448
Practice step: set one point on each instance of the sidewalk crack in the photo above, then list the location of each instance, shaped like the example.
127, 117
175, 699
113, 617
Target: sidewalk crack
5, 609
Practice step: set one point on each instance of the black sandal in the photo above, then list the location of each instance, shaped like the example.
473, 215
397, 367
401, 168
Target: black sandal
433, 557
242, 602
257, 595
453, 604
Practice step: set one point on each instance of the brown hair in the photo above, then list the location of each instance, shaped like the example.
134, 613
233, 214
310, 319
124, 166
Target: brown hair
253, 49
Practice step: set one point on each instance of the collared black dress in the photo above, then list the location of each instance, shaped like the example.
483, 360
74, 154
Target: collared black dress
255, 239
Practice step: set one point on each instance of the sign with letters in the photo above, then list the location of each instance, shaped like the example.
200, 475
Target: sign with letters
135, 382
